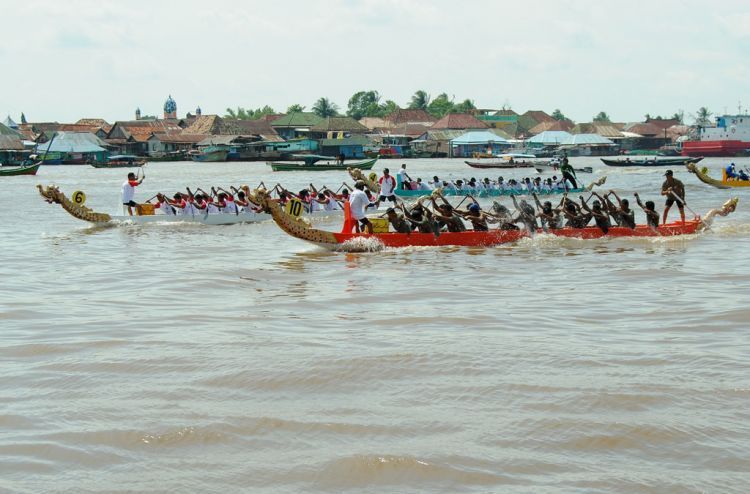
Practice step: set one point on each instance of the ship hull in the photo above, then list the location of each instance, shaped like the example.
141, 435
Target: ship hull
715, 148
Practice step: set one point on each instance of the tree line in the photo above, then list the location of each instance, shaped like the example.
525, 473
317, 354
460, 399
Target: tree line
370, 104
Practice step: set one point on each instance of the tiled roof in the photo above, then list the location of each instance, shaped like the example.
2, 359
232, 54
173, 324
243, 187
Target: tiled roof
645, 129
565, 125
347, 124
402, 116
603, 129
663, 123
93, 122
179, 138
298, 119
215, 125
506, 113
409, 129
373, 122
459, 121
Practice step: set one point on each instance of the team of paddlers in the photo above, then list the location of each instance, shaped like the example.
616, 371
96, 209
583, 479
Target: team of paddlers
433, 213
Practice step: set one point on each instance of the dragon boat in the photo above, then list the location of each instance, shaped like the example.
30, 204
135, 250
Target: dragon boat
349, 241
724, 183
145, 213
20, 170
658, 161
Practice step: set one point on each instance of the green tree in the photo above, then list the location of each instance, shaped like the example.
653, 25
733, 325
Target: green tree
679, 116
419, 101
295, 108
558, 115
248, 114
325, 108
602, 117
703, 117
464, 106
389, 107
440, 106
365, 104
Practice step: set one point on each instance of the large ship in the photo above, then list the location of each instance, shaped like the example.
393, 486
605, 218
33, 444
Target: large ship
730, 137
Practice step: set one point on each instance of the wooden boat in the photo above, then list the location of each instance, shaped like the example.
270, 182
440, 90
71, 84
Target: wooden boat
346, 240
209, 154
145, 213
503, 164
20, 170
724, 183
120, 161
311, 162
658, 161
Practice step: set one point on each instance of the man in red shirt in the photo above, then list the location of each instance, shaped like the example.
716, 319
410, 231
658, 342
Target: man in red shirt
387, 187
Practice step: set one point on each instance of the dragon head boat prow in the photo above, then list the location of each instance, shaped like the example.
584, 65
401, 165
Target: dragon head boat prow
53, 195
371, 183
728, 207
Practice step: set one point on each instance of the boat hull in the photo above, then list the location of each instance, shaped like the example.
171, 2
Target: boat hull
134, 164
212, 156
503, 165
22, 170
719, 184
652, 162
498, 237
288, 167
715, 148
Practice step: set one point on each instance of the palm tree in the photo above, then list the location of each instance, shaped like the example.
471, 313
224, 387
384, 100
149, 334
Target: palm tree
703, 117
325, 108
419, 101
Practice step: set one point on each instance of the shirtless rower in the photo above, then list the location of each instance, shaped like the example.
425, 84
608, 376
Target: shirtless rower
397, 221
652, 217
601, 217
445, 215
548, 216
622, 214
475, 215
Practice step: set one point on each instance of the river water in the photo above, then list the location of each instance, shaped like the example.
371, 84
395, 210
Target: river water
184, 358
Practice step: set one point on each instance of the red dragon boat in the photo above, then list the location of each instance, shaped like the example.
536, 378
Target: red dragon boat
346, 240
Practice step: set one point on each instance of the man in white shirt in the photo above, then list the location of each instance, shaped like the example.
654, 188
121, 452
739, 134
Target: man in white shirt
403, 178
358, 201
128, 191
387, 188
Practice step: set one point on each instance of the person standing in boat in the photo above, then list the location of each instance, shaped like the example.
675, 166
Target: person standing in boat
568, 173
358, 202
404, 178
128, 191
387, 187
674, 190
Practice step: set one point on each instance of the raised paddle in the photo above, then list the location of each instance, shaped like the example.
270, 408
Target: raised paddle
682, 201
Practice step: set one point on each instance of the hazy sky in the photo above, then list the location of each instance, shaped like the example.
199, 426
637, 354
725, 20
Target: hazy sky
63, 60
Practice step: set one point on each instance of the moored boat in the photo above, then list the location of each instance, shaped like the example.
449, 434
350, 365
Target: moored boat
657, 161
503, 164
313, 163
120, 161
20, 170
724, 183
209, 154
346, 240
730, 137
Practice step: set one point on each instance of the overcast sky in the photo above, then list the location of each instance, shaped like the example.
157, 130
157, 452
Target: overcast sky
63, 60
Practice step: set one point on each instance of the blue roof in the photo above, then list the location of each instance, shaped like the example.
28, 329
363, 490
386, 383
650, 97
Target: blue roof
73, 142
550, 137
478, 137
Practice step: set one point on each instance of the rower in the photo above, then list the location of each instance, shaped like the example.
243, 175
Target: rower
576, 218
436, 182
503, 216
397, 221
526, 214
652, 217
128, 191
358, 201
731, 172
421, 218
475, 215
623, 215
601, 218
163, 205
548, 216
445, 215
675, 192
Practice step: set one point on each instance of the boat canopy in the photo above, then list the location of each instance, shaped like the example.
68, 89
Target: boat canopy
309, 159
478, 137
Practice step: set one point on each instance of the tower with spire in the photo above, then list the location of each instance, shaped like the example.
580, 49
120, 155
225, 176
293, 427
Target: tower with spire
170, 108
137, 113
198, 112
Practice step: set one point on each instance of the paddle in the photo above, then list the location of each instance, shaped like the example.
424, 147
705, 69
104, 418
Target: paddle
54, 134
682, 201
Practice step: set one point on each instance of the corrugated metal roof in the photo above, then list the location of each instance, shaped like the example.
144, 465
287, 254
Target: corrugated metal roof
478, 137
298, 119
347, 124
582, 139
550, 137
347, 141
74, 142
